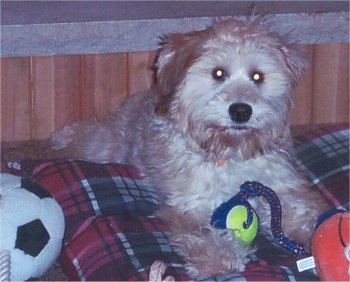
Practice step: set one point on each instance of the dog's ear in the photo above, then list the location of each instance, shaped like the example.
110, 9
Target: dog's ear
177, 53
290, 55
296, 62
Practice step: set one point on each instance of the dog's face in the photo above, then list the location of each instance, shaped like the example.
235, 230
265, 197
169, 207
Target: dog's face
228, 87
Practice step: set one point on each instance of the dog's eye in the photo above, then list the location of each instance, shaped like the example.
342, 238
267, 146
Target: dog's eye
257, 77
219, 74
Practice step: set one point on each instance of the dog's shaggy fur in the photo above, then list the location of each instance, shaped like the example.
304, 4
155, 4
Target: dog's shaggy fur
216, 118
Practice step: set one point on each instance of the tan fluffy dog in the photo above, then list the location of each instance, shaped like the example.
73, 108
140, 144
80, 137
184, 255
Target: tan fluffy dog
216, 118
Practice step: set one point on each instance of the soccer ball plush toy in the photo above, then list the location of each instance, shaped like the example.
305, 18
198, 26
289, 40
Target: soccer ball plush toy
31, 229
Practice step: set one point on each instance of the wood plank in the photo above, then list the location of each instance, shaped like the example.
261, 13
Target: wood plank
140, 73
105, 83
16, 99
342, 100
302, 95
44, 107
327, 83
68, 92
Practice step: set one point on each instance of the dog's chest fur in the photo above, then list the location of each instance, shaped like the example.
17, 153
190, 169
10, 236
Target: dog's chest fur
205, 186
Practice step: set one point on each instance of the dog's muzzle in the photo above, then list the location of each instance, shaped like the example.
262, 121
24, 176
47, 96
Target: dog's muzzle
240, 112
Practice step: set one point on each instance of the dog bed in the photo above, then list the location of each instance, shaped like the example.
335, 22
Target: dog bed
111, 233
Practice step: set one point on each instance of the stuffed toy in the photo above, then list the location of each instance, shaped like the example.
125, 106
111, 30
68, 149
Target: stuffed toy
246, 223
330, 246
31, 229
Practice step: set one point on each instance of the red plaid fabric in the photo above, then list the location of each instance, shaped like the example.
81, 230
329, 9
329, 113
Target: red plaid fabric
112, 235
110, 231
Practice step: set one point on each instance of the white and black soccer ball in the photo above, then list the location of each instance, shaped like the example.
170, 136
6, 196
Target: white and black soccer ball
31, 227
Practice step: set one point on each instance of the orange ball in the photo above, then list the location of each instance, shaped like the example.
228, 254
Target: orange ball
330, 248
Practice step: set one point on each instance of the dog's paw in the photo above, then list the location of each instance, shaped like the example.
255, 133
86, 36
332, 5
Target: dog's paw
209, 253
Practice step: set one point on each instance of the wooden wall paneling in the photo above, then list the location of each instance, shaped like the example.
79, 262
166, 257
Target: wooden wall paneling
16, 99
329, 84
302, 94
104, 83
42, 94
140, 73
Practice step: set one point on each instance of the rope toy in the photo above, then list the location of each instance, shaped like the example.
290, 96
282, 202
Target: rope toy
252, 189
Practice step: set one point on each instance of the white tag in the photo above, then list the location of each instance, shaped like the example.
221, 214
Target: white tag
306, 263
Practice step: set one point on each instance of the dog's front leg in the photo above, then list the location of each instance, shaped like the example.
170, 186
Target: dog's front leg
301, 209
207, 251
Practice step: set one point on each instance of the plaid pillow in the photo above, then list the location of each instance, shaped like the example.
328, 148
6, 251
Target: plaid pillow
111, 235
110, 231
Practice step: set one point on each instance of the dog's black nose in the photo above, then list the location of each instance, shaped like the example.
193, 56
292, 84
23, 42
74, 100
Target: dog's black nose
240, 112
